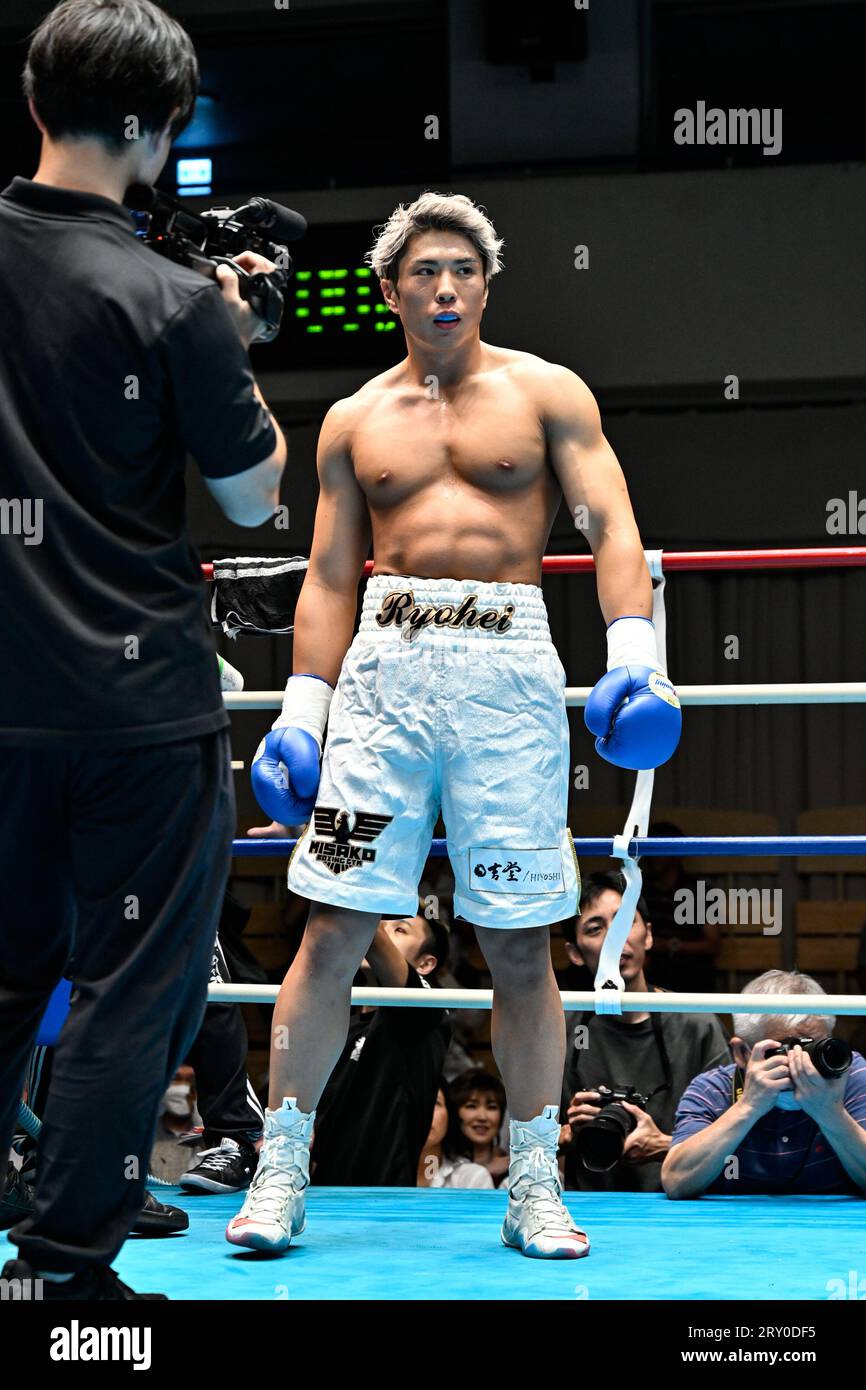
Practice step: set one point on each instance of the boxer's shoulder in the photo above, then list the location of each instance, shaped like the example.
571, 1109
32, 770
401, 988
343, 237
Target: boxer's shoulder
551, 386
348, 412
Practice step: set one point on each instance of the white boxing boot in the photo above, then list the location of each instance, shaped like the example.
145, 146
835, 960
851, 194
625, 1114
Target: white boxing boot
273, 1210
537, 1222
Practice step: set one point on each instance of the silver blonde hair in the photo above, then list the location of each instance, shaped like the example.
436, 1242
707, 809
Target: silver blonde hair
447, 212
753, 1027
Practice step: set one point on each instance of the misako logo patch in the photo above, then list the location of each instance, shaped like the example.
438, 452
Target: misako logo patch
340, 845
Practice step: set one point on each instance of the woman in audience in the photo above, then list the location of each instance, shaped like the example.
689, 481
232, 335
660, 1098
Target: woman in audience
438, 1166
477, 1113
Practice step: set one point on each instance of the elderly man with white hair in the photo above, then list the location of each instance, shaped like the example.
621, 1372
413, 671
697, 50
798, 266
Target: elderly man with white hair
770, 1122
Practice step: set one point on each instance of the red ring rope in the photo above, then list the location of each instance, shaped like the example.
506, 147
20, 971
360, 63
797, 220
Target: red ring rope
828, 557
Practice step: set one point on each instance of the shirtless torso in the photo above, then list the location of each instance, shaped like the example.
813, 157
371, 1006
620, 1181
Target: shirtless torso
458, 483
453, 464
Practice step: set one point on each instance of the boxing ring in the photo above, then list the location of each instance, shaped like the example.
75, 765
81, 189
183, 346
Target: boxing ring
408, 1244
422, 1244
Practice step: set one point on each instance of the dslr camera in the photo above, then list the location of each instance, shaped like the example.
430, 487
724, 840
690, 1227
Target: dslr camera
830, 1056
600, 1143
205, 240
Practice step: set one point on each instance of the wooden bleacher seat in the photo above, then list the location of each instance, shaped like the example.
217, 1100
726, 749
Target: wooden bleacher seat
265, 935
832, 820
693, 820
828, 939
744, 952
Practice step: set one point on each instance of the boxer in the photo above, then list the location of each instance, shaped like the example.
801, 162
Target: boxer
454, 463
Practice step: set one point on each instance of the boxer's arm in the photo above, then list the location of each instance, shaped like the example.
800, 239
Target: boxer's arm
325, 613
590, 477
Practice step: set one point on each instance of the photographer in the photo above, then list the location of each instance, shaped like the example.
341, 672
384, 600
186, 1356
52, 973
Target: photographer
655, 1055
114, 364
770, 1121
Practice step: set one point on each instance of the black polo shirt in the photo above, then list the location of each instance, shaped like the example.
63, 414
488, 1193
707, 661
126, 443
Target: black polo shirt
377, 1108
114, 364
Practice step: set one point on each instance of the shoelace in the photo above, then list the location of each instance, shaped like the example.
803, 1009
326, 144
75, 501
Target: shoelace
274, 1183
219, 1158
546, 1204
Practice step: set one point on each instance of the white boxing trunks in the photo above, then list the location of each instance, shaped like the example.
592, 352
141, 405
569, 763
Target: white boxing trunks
451, 696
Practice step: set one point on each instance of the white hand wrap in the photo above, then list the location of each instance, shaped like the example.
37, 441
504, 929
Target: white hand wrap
305, 706
632, 642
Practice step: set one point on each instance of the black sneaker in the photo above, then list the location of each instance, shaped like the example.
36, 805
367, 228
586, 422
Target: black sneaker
230, 1168
99, 1284
157, 1219
16, 1201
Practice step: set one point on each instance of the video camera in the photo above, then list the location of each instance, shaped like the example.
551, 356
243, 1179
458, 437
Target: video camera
205, 240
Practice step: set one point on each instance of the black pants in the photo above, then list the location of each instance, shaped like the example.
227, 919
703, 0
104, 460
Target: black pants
122, 856
228, 1105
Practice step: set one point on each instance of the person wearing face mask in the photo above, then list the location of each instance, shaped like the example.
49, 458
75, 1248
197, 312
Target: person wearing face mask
169, 1160
770, 1121
619, 1146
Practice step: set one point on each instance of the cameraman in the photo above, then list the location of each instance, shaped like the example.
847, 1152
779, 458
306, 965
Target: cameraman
771, 1123
114, 364
654, 1054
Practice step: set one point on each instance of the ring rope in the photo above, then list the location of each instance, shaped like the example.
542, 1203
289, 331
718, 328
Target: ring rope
657, 846
814, 557
576, 696
574, 1001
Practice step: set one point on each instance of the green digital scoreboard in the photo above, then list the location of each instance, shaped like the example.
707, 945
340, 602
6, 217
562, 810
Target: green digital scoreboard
335, 314
340, 299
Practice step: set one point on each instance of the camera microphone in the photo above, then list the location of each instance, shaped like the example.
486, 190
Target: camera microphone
283, 222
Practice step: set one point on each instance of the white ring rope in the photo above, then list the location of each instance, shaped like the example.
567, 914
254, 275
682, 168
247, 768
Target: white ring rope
576, 696
575, 1001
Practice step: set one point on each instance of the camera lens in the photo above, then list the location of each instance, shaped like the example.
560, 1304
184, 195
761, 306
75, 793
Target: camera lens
831, 1056
600, 1143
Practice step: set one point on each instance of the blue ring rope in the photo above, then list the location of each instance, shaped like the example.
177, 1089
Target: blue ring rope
676, 847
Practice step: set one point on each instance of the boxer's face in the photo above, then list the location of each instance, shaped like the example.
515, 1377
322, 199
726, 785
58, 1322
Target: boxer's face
440, 292
592, 928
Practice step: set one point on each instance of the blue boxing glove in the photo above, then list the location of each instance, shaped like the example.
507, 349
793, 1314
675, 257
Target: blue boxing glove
633, 710
286, 768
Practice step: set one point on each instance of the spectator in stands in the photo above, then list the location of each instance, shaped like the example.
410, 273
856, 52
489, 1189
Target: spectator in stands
438, 1166
374, 1117
857, 1035
771, 1123
477, 1117
169, 1160
684, 952
655, 1054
